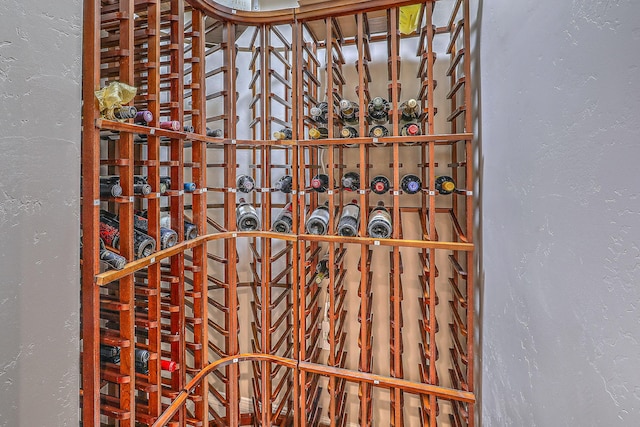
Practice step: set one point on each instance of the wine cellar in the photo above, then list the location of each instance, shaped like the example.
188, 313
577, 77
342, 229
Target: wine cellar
277, 214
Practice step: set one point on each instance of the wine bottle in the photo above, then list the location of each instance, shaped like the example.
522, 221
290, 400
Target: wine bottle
246, 216
143, 117
379, 226
318, 133
349, 112
380, 184
190, 229
319, 112
215, 133
168, 365
318, 222
351, 181
171, 125
283, 134
378, 110
284, 221
322, 268
378, 131
320, 183
349, 132
110, 258
245, 184
143, 244
141, 186
445, 185
189, 187
410, 183
109, 354
349, 220
165, 184
409, 111
142, 361
284, 184
110, 187
168, 237
410, 129
110, 235
125, 112
188, 128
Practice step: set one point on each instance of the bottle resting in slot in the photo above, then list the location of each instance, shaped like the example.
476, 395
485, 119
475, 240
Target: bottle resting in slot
125, 112
142, 361
190, 229
380, 226
215, 133
351, 181
141, 186
246, 216
284, 221
143, 244
189, 128
409, 111
349, 112
380, 184
284, 184
378, 131
318, 133
445, 185
318, 222
322, 268
349, 220
109, 354
171, 125
320, 183
410, 129
189, 187
349, 132
319, 112
110, 258
110, 186
283, 134
378, 110
168, 237
165, 184
143, 117
245, 184
410, 184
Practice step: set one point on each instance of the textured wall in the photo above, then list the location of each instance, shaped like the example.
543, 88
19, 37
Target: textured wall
40, 82
561, 213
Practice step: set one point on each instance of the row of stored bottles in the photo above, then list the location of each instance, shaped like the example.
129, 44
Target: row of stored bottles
347, 113
143, 244
379, 225
145, 117
350, 181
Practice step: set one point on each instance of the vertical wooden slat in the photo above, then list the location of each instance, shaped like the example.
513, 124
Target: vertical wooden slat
199, 176
90, 217
153, 211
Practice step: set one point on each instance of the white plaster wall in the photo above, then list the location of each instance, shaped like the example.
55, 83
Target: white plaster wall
560, 96
40, 80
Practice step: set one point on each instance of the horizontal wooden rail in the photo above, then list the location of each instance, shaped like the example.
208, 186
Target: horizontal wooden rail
112, 275
313, 368
310, 12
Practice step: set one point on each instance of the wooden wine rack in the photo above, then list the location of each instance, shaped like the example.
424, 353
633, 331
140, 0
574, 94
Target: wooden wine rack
229, 292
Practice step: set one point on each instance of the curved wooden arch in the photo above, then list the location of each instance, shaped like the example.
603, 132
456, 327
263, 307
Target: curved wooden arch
320, 10
314, 368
